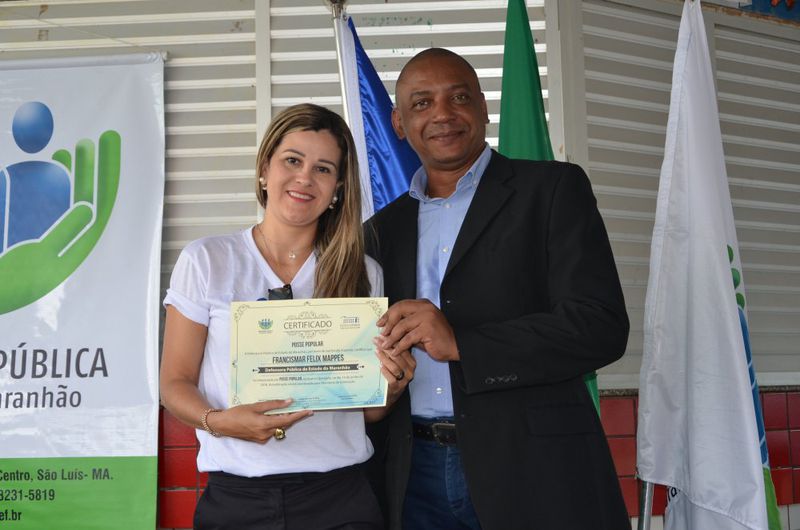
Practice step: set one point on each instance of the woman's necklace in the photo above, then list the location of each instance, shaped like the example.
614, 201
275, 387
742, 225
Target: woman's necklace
289, 268
292, 254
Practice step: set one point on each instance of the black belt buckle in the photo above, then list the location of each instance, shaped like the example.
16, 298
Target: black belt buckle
444, 433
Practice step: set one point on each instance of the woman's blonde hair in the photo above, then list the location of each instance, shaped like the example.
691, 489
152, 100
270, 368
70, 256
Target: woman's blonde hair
340, 241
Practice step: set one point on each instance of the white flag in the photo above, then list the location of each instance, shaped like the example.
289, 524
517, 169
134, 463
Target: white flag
698, 428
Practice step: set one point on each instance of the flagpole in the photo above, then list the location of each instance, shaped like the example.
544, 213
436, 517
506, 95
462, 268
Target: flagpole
645, 505
337, 8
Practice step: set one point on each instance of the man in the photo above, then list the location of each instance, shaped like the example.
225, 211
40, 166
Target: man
502, 279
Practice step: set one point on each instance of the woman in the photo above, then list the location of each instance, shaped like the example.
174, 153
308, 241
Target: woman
298, 470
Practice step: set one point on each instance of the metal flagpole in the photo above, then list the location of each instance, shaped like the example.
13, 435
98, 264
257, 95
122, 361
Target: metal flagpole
351, 104
337, 8
645, 505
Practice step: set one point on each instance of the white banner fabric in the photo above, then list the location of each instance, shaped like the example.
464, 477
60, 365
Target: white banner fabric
81, 200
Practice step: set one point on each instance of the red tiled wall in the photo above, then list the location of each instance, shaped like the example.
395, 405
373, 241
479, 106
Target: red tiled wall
781, 421
180, 484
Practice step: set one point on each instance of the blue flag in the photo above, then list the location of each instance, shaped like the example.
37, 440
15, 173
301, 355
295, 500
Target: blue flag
386, 162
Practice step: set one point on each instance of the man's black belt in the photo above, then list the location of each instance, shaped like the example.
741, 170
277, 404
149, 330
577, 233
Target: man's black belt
443, 433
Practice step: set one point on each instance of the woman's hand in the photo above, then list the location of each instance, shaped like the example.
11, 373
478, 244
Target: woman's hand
182, 355
398, 369
248, 422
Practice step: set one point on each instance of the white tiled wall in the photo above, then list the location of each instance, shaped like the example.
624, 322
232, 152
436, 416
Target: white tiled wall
656, 523
790, 521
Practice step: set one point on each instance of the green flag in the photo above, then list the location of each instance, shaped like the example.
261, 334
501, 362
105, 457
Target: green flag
523, 126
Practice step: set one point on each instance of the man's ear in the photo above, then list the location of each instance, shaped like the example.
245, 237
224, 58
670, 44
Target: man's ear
397, 124
484, 108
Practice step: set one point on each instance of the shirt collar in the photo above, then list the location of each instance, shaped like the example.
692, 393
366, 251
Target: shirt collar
419, 182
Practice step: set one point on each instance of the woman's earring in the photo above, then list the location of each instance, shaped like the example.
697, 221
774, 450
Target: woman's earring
333, 202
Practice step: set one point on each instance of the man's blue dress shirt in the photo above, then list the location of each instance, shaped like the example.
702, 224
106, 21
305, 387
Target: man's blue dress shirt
439, 222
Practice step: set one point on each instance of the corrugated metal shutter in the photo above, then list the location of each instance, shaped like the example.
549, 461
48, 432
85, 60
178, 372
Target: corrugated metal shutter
213, 109
210, 93
758, 82
303, 57
629, 48
219, 97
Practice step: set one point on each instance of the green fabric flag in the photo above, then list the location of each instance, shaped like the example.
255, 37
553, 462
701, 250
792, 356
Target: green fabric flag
523, 126
773, 515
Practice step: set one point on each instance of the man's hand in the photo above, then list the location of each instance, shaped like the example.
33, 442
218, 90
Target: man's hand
398, 371
417, 323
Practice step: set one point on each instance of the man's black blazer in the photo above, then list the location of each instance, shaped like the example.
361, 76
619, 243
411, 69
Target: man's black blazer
533, 295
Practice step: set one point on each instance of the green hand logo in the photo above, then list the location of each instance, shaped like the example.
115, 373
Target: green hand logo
34, 268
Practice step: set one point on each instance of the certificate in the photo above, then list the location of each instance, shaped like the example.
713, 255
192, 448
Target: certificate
318, 352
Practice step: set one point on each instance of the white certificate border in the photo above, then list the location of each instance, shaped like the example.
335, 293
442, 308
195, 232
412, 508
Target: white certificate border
379, 396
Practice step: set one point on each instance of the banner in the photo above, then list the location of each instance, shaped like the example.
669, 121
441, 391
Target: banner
81, 195
699, 410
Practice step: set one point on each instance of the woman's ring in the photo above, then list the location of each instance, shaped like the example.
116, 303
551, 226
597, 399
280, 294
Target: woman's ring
400, 376
280, 434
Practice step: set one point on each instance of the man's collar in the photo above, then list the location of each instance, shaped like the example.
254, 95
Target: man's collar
419, 182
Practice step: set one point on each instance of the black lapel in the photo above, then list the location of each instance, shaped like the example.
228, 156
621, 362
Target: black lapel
400, 244
489, 198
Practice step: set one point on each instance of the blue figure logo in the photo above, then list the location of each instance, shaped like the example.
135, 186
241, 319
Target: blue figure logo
52, 213
36, 193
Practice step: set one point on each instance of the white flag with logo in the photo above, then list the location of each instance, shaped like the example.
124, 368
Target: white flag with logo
698, 426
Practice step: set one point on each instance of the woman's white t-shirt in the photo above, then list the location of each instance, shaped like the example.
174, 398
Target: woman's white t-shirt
210, 274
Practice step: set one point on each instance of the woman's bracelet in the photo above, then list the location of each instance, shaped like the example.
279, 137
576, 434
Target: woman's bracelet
204, 422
